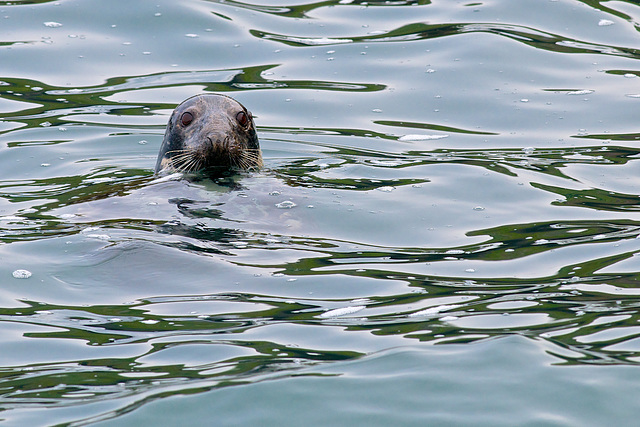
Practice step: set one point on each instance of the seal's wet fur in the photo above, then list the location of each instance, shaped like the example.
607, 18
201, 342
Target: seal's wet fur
213, 133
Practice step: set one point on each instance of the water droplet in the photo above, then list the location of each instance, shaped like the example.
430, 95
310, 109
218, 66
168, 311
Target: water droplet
287, 204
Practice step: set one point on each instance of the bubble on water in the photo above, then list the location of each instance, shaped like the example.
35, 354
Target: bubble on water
150, 322
45, 124
287, 204
470, 270
142, 142
478, 208
274, 193
342, 311
630, 76
528, 150
62, 129
430, 70
605, 23
191, 35
21, 274
524, 100
45, 165
52, 24
377, 110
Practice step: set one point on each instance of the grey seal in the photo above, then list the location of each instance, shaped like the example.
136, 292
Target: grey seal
211, 132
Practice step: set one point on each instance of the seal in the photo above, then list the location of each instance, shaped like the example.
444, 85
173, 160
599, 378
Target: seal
213, 133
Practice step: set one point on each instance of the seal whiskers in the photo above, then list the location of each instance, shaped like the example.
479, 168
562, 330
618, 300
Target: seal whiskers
184, 161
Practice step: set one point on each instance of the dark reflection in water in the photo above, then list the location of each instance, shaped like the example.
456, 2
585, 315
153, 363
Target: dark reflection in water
419, 31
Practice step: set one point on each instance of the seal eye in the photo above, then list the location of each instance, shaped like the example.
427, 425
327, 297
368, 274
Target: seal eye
242, 118
186, 118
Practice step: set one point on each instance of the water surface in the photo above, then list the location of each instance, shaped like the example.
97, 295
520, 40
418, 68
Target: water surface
445, 231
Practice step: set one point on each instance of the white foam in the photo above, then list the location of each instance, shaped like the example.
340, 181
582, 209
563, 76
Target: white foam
418, 137
434, 310
342, 311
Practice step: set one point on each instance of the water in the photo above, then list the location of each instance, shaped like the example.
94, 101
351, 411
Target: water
445, 231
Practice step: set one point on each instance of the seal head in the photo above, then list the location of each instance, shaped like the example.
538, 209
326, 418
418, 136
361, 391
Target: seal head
209, 132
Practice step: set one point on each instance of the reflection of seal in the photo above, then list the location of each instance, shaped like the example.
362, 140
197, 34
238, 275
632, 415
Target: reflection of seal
213, 132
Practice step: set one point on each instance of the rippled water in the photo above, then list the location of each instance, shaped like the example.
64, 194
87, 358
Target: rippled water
445, 231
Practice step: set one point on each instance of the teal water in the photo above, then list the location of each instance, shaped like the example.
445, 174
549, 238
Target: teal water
458, 242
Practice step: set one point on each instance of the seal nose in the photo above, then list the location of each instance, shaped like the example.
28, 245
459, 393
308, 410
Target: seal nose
217, 141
